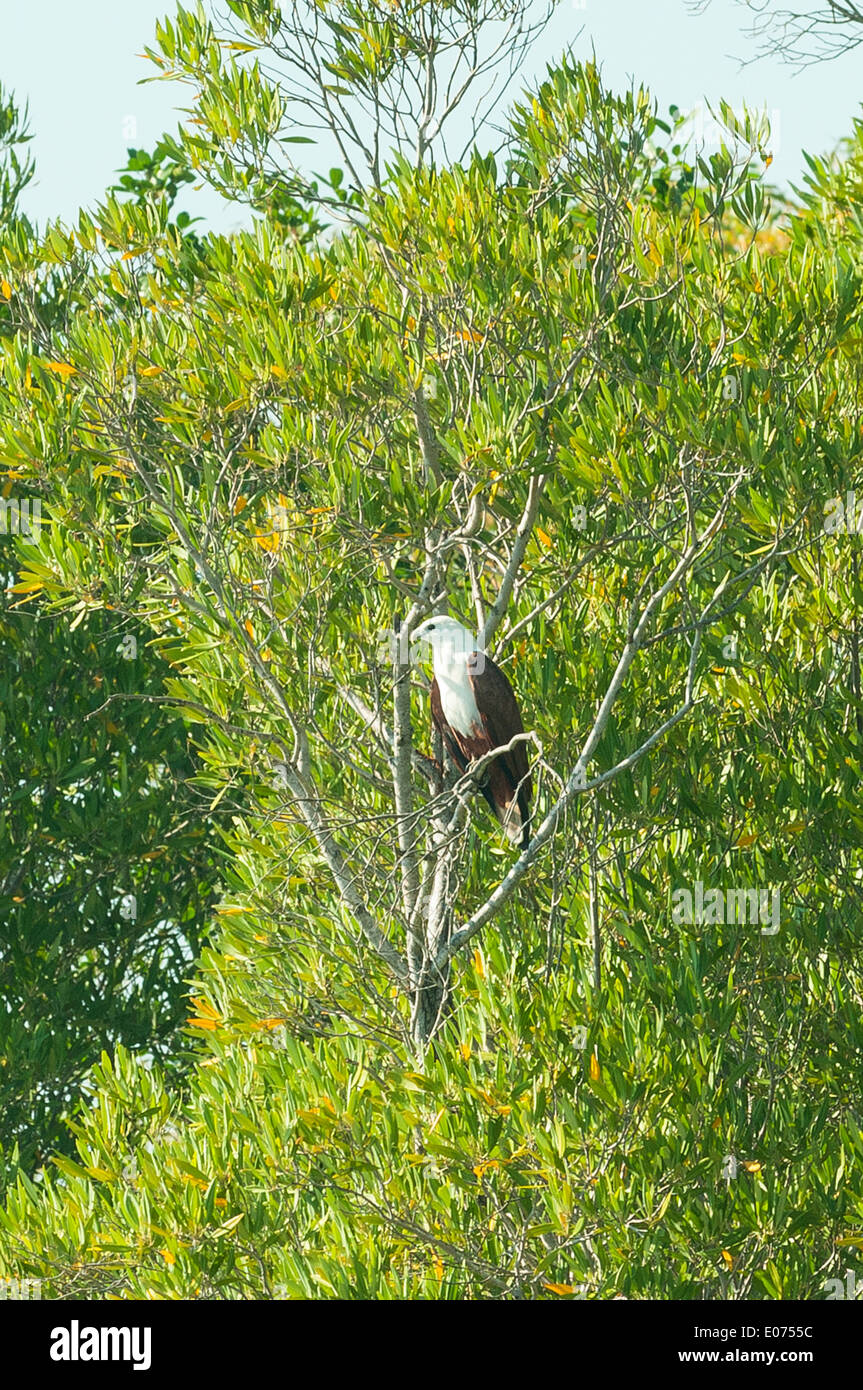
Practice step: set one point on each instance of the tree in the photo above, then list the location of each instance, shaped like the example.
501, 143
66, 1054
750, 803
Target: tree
577, 391
15, 172
806, 36
108, 862
108, 867
508, 367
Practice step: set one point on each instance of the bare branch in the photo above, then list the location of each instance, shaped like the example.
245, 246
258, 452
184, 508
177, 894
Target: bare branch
577, 784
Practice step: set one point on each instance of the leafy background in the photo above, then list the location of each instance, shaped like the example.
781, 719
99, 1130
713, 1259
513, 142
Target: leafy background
224, 436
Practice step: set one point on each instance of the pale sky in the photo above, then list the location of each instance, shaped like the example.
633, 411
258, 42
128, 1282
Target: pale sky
75, 62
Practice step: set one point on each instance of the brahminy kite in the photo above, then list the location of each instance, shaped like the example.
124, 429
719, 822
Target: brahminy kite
475, 711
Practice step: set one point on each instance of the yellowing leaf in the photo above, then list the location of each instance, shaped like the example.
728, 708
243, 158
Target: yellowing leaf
744, 841
205, 1008
562, 1289
594, 1067
464, 1049
31, 586
478, 965
249, 629
151, 371
729, 1259
63, 369
499, 1109
544, 538
168, 1257
6, 289
196, 1182
752, 1166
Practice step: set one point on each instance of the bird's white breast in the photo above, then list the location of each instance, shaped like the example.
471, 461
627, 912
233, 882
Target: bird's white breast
456, 694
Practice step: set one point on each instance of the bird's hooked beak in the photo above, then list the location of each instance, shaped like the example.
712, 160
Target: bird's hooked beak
422, 633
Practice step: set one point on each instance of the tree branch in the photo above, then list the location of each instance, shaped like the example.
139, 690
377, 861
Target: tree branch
577, 784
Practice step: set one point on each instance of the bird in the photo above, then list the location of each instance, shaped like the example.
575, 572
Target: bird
475, 710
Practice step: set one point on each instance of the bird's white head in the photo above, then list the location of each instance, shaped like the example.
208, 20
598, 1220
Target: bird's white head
448, 638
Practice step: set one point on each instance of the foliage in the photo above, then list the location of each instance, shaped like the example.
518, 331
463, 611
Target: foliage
590, 392
159, 175
15, 172
107, 867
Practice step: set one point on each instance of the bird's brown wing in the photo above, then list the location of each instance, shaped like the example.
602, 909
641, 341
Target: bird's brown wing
462, 750
509, 775
495, 697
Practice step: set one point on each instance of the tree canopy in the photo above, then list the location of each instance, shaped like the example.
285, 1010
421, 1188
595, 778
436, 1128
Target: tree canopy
599, 396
